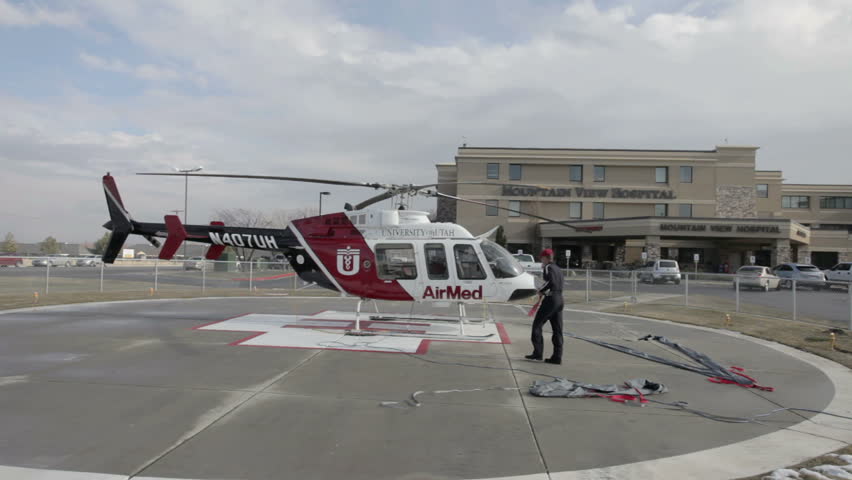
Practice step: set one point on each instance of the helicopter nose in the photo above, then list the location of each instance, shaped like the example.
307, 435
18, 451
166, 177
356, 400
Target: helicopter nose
525, 287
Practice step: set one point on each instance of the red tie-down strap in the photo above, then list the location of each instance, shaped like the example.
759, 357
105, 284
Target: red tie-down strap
623, 398
741, 372
534, 308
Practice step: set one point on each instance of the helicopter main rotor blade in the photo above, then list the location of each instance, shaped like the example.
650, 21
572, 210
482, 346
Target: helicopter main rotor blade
269, 177
589, 229
414, 188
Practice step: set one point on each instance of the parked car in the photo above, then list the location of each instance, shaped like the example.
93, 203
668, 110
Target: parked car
278, 262
89, 261
55, 260
754, 276
10, 260
194, 263
842, 272
660, 271
61, 260
528, 262
804, 274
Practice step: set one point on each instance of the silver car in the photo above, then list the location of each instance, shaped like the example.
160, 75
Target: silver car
55, 260
660, 271
194, 263
805, 275
88, 261
754, 276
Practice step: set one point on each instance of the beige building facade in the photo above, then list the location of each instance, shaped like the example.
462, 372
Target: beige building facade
667, 203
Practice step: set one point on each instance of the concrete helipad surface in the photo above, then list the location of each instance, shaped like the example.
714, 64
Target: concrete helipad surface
149, 389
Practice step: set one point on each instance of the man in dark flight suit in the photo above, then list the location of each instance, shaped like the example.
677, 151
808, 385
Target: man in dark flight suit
549, 310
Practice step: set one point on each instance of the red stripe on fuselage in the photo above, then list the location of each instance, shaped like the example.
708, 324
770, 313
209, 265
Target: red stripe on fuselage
332, 236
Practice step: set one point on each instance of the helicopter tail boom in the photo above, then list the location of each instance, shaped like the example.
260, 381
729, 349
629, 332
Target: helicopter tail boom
217, 235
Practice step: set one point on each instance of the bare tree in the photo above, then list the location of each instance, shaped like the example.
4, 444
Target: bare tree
100, 245
244, 217
282, 217
9, 245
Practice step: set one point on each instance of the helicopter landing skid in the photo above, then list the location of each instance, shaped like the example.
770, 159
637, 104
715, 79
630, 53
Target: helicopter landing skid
461, 319
439, 336
392, 318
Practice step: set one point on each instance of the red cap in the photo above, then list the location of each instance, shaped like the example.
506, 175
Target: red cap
547, 252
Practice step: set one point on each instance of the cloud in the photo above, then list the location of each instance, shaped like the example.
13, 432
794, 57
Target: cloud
143, 71
299, 88
30, 14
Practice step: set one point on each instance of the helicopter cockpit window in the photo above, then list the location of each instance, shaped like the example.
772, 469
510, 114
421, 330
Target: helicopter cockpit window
501, 262
467, 263
396, 261
436, 261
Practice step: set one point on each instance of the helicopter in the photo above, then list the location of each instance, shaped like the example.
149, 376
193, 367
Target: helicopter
372, 254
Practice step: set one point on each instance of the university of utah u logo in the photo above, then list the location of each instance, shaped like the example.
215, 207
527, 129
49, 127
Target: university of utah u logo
348, 260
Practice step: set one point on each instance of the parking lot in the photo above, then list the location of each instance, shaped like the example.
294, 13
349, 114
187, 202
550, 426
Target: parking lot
830, 306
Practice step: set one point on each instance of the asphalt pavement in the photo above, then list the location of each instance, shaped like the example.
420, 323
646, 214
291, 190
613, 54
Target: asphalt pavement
134, 389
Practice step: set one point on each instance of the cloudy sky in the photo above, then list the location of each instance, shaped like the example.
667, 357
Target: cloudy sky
381, 90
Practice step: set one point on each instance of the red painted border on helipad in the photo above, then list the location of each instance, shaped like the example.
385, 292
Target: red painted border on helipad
422, 348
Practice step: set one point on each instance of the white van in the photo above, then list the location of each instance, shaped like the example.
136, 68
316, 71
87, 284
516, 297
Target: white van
660, 271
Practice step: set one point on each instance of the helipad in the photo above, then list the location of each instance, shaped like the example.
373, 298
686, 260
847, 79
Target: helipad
165, 389
331, 330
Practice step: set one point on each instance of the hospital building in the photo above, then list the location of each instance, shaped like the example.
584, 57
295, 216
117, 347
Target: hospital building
670, 204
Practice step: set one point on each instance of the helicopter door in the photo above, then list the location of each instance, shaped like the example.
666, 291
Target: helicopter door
397, 261
470, 271
438, 278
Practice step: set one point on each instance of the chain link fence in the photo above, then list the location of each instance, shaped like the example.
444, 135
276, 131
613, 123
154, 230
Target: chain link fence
40, 277
823, 302
828, 303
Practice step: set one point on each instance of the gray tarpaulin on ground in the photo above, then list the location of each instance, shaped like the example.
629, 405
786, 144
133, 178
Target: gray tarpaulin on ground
566, 388
707, 366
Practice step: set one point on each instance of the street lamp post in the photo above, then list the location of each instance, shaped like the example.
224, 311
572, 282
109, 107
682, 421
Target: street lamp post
186, 172
320, 200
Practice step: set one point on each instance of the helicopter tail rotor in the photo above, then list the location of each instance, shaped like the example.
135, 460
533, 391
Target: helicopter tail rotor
120, 223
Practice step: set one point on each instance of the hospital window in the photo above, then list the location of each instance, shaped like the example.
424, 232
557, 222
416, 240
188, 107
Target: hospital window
575, 210
491, 208
685, 174
762, 190
514, 171
600, 173
395, 261
662, 174
436, 262
467, 263
661, 210
575, 173
598, 212
492, 171
835, 202
795, 201
685, 210
515, 205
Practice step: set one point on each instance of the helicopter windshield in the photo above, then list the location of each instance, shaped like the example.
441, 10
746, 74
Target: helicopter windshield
501, 262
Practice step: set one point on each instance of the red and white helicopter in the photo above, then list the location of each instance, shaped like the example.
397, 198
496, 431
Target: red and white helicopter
368, 253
